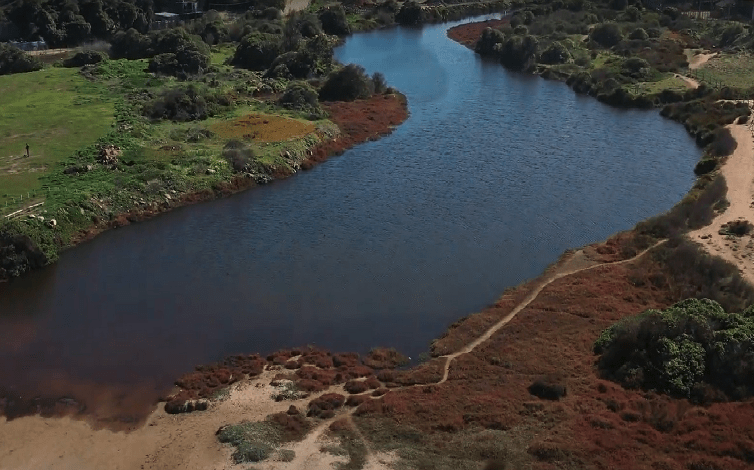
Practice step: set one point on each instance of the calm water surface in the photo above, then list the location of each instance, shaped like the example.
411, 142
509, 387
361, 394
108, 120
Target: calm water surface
491, 178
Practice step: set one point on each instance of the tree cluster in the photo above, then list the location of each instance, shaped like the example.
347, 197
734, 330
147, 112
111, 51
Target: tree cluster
70, 22
693, 349
14, 60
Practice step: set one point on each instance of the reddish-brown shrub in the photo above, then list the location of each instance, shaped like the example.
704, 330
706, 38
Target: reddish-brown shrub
356, 386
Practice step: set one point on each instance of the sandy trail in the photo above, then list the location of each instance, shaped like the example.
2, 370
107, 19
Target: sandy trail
738, 172
698, 60
295, 5
690, 82
576, 263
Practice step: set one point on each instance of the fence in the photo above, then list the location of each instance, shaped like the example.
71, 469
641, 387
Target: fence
18, 204
699, 15
29, 45
706, 78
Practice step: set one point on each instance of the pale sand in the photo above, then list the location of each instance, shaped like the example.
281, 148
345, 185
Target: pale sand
295, 5
165, 441
738, 171
698, 60
185, 441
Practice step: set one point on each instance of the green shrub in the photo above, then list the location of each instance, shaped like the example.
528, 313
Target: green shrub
556, 53
257, 51
730, 34
606, 34
239, 156
184, 104
409, 14
519, 52
347, 84
334, 20
302, 97
639, 34
635, 67
688, 346
488, 40
85, 58
14, 60
379, 83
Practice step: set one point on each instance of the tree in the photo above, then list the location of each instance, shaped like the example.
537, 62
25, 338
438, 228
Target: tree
347, 84
556, 53
257, 51
519, 52
606, 34
14, 60
334, 21
489, 39
130, 44
409, 14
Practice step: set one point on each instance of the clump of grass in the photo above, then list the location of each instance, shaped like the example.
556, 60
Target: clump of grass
462, 450
350, 446
254, 441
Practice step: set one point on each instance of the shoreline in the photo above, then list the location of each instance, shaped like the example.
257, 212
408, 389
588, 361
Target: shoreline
548, 304
394, 111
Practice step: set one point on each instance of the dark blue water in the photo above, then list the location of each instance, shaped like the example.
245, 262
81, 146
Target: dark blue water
493, 176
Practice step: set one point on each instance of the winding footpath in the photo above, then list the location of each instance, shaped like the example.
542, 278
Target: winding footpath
738, 171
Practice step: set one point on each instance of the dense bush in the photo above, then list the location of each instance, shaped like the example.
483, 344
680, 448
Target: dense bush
488, 41
730, 34
14, 60
635, 67
556, 53
184, 62
547, 388
18, 254
300, 96
379, 83
257, 51
519, 52
682, 350
239, 156
334, 20
68, 23
182, 105
694, 211
179, 51
85, 58
639, 34
130, 44
606, 34
347, 84
409, 14
723, 144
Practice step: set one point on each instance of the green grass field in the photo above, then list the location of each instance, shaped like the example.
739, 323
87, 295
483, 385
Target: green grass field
55, 111
733, 70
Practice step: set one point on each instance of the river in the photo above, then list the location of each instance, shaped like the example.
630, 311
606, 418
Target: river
492, 177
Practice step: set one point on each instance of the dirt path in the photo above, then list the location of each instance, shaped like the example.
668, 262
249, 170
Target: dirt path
295, 5
574, 264
738, 172
189, 441
690, 82
698, 60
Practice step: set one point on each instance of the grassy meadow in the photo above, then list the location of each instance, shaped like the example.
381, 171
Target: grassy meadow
55, 111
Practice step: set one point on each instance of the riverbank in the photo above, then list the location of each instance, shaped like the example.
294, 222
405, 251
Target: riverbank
475, 394
477, 404
358, 121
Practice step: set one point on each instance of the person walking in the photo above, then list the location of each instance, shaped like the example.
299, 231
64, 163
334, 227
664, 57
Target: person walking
27, 150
